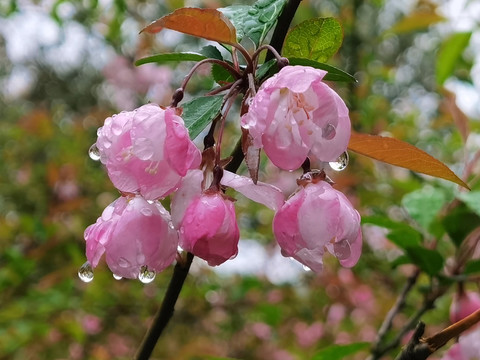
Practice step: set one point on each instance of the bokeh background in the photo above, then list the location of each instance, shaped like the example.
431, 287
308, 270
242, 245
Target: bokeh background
66, 65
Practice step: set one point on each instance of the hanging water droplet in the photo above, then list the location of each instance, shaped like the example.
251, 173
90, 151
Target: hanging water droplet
117, 277
306, 268
341, 163
329, 132
94, 153
146, 276
85, 273
146, 211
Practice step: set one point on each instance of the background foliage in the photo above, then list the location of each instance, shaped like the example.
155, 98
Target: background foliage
67, 65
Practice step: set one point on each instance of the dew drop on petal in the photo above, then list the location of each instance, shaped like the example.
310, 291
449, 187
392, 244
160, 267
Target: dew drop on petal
329, 132
116, 128
146, 276
306, 268
85, 273
146, 211
342, 249
117, 277
341, 163
124, 263
94, 153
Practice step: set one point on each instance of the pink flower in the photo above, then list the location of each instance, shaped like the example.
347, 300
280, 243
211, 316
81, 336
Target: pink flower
294, 115
463, 305
147, 151
316, 218
206, 221
132, 233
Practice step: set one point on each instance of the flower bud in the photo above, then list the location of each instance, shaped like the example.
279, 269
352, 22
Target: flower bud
316, 218
294, 115
132, 233
147, 151
463, 305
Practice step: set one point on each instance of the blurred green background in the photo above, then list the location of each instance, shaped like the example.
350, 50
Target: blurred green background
66, 65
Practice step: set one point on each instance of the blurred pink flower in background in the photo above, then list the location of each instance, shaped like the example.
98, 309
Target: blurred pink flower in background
467, 348
463, 305
130, 81
133, 233
147, 151
294, 115
316, 218
308, 335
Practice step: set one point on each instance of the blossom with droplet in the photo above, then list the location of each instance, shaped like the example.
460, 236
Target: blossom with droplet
134, 234
294, 115
463, 305
205, 220
315, 219
147, 151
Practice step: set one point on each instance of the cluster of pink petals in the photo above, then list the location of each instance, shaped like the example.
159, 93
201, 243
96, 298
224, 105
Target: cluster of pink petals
318, 218
295, 115
133, 233
147, 151
467, 347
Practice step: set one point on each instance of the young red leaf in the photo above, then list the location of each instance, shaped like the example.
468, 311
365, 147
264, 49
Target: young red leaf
399, 153
208, 24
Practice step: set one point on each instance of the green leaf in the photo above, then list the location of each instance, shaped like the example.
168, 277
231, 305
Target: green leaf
315, 39
199, 112
171, 57
211, 52
472, 267
401, 260
221, 75
383, 221
430, 261
264, 69
472, 200
449, 54
254, 21
405, 238
423, 205
339, 352
460, 222
334, 74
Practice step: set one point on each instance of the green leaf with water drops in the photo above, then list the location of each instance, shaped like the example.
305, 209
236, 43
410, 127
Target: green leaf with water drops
339, 352
315, 39
333, 73
254, 22
170, 57
199, 112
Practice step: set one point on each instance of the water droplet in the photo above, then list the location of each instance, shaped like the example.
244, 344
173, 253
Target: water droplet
124, 263
117, 277
94, 153
85, 273
341, 163
253, 11
306, 268
342, 249
146, 211
146, 276
116, 128
329, 132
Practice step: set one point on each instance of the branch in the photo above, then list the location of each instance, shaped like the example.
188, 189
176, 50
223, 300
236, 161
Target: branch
282, 26
419, 348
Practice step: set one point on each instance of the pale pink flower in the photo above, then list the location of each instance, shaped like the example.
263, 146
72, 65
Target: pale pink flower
463, 305
467, 348
132, 233
147, 151
294, 115
315, 219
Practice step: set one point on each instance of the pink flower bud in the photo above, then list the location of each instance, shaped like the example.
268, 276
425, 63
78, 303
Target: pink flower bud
295, 114
206, 221
464, 305
132, 233
209, 229
147, 151
316, 218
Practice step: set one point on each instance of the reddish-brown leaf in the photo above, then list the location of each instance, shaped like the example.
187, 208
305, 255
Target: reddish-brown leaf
399, 153
208, 24
459, 117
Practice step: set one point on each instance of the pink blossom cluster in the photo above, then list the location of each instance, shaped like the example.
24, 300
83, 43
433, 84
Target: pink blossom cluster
148, 156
